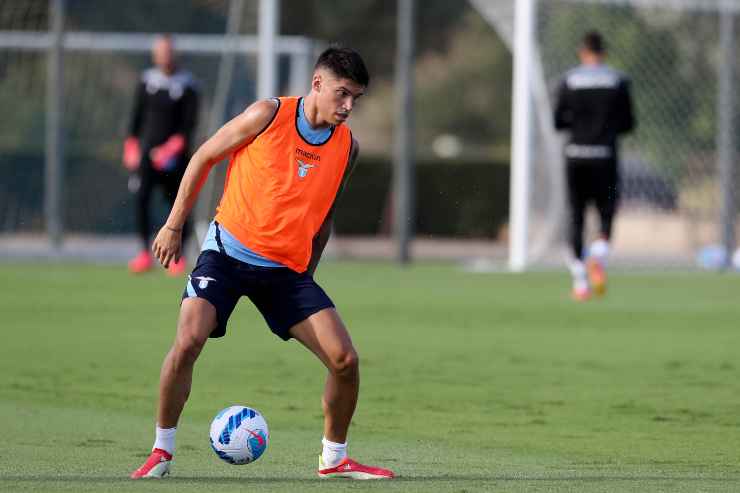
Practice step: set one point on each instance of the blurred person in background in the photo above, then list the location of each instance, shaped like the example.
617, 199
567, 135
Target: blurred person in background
595, 107
156, 150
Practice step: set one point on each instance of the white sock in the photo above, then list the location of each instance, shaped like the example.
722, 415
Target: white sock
165, 439
599, 249
333, 452
578, 271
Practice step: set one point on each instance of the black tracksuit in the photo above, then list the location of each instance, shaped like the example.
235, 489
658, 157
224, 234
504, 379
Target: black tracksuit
164, 105
594, 105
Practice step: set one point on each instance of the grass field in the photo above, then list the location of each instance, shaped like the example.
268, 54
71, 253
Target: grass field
470, 382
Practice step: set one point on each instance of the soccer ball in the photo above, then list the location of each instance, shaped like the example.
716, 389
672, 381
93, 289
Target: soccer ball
239, 435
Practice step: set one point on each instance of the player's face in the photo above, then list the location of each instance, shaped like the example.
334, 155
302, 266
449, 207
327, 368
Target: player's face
336, 96
163, 54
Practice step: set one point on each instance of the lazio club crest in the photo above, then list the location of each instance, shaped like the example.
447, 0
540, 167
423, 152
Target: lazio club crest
204, 280
303, 168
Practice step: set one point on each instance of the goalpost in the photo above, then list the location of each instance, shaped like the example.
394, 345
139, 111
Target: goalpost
677, 170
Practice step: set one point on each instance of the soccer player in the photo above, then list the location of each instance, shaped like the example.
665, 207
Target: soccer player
595, 106
156, 150
290, 158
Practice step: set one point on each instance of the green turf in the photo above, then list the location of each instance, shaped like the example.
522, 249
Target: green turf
470, 382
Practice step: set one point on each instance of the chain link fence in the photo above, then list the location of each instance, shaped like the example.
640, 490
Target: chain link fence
105, 49
672, 190
677, 168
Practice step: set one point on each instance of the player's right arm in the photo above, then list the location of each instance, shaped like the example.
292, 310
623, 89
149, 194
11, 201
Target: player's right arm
137, 114
131, 146
237, 133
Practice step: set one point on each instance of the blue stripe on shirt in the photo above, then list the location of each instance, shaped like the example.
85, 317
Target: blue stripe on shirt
234, 248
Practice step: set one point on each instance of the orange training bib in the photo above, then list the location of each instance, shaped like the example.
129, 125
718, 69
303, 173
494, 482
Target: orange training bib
279, 188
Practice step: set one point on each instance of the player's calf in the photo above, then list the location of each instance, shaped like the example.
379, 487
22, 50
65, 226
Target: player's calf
598, 253
597, 276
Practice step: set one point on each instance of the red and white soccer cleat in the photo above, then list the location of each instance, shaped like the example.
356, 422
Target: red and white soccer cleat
141, 263
176, 269
581, 294
156, 466
596, 276
352, 470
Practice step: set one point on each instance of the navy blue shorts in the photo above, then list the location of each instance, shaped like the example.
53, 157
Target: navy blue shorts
283, 296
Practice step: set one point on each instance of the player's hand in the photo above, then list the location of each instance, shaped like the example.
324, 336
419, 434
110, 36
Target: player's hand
167, 245
164, 157
131, 153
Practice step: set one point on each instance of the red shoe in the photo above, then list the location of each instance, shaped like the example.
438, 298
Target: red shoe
582, 294
176, 269
156, 466
352, 470
141, 263
596, 276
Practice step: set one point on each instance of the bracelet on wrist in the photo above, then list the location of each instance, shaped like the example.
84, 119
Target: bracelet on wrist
173, 229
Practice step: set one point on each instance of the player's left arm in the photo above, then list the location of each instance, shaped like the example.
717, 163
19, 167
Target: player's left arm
322, 237
627, 121
236, 133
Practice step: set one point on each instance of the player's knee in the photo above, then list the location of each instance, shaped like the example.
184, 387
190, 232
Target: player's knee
191, 337
345, 364
189, 346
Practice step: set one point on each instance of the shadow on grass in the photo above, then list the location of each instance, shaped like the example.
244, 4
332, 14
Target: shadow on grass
409, 479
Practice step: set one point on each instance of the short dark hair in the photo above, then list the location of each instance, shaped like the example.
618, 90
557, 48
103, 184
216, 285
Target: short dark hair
593, 41
345, 63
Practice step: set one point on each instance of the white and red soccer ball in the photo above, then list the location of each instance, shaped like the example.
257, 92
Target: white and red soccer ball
239, 435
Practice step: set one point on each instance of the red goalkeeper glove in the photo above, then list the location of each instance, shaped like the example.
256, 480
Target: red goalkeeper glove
131, 153
164, 157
